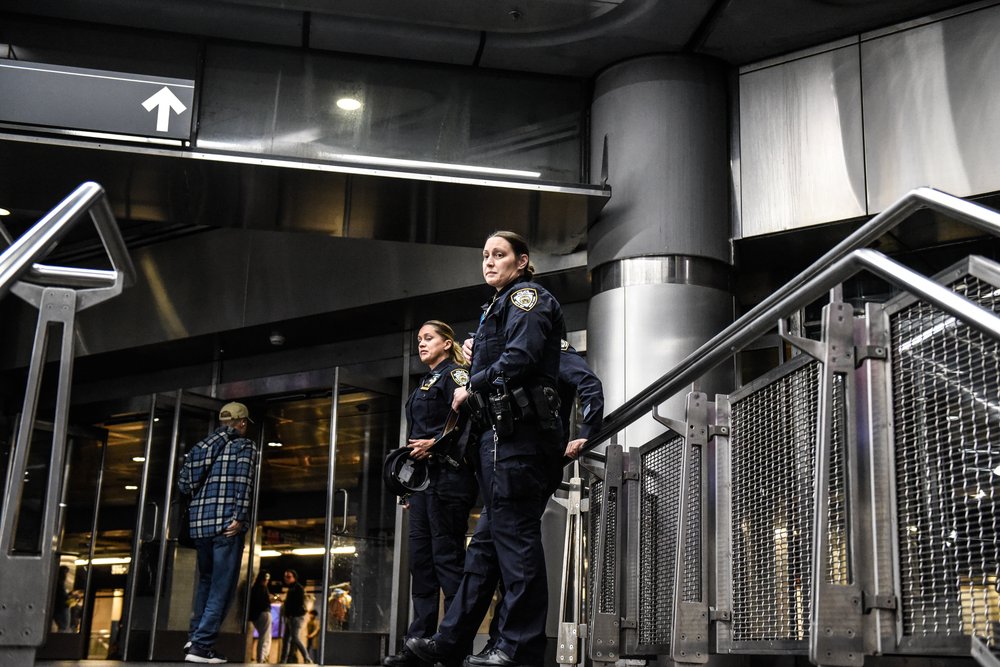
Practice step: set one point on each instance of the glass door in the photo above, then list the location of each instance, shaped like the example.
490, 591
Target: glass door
323, 513
73, 594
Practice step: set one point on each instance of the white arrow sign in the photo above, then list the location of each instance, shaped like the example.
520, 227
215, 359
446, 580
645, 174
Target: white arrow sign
164, 100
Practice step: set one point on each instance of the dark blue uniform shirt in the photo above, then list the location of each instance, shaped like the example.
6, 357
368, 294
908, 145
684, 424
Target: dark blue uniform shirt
518, 338
429, 405
576, 377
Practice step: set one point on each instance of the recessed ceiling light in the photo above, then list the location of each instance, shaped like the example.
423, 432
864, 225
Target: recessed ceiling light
131, 487
139, 459
348, 104
274, 444
4, 211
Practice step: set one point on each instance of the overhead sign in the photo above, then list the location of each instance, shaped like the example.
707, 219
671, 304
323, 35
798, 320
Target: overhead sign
97, 100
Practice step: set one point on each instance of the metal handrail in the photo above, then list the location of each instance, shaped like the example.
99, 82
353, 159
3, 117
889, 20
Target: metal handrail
18, 260
841, 262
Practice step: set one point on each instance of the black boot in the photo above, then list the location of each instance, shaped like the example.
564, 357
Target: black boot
405, 658
429, 650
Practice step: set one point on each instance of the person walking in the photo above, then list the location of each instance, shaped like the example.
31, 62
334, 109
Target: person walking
294, 612
218, 473
260, 614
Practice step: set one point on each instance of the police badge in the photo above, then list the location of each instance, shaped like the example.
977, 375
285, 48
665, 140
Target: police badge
460, 376
525, 299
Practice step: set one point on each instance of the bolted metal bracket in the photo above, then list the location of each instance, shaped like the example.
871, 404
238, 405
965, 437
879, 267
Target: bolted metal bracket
872, 602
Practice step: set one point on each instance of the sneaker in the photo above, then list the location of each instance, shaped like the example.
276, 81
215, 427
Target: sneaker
187, 647
205, 656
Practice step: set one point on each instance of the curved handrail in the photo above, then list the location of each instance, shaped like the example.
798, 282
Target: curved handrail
842, 261
18, 260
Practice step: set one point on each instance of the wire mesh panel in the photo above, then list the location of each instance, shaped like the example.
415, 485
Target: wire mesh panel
659, 508
593, 552
773, 442
837, 570
946, 410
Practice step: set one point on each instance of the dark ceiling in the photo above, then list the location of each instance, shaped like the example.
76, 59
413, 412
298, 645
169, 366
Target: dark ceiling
569, 37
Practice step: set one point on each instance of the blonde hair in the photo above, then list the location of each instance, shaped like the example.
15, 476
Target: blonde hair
448, 333
520, 246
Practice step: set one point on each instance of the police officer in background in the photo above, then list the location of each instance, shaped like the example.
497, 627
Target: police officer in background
512, 387
577, 379
439, 515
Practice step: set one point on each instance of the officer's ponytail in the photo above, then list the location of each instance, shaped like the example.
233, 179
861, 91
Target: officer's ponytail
448, 333
520, 246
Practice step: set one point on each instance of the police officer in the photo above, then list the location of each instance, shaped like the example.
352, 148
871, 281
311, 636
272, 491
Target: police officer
439, 515
512, 386
576, 379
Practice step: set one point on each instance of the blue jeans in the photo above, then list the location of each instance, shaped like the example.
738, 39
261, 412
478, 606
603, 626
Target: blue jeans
218, 571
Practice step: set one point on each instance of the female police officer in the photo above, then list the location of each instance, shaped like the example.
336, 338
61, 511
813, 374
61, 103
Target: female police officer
439, 515
512, 387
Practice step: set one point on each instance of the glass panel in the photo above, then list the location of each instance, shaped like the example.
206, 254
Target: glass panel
291, 508
115, 528
408, 111
80, 496
362, 556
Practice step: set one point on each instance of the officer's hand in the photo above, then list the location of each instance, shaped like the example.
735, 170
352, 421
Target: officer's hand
574, 447
467, 348
232, 529
460, 396
420, 449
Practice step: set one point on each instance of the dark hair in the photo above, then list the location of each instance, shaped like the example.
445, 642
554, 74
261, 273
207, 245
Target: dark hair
448, 333
519, 245
294, 573
260, 576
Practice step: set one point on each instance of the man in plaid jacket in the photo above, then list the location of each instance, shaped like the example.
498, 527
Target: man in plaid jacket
218, 472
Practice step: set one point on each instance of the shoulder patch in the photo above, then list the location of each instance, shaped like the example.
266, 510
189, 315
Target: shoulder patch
563, 344
525, 298
460, 376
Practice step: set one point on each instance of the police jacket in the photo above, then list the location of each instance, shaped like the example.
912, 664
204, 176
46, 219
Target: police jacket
576, 377
429, 405
518, 339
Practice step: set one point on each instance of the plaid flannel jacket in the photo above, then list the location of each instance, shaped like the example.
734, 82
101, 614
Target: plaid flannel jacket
225, 490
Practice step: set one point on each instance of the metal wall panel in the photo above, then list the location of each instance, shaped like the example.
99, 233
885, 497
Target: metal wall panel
931, 96
801, 142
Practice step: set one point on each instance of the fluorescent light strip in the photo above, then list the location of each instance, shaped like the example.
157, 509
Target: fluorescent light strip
122, 560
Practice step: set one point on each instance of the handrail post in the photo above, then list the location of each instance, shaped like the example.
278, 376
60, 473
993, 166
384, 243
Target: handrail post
27, 576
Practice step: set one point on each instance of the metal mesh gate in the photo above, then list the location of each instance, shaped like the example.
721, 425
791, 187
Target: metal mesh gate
659, 505
773, 442
946, 408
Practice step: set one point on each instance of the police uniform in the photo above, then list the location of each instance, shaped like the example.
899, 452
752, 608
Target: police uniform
516, 351
439, 515
576, 379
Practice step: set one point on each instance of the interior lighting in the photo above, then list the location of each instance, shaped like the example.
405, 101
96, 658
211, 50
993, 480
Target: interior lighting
308, 551
269, 553
348, 104
131, 487
349, 549
121, 560
139, 459
274, 444
4, 212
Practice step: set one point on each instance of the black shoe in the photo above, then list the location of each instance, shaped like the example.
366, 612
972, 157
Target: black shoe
405, 658
205, 656
429, 650
494, 657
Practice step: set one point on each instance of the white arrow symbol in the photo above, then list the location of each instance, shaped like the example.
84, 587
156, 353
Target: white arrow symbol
164, 100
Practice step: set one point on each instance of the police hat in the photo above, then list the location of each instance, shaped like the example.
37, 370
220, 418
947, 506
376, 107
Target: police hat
404, 475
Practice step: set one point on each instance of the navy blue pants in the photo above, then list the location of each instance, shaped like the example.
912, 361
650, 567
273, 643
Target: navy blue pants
516, 481
439, 518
